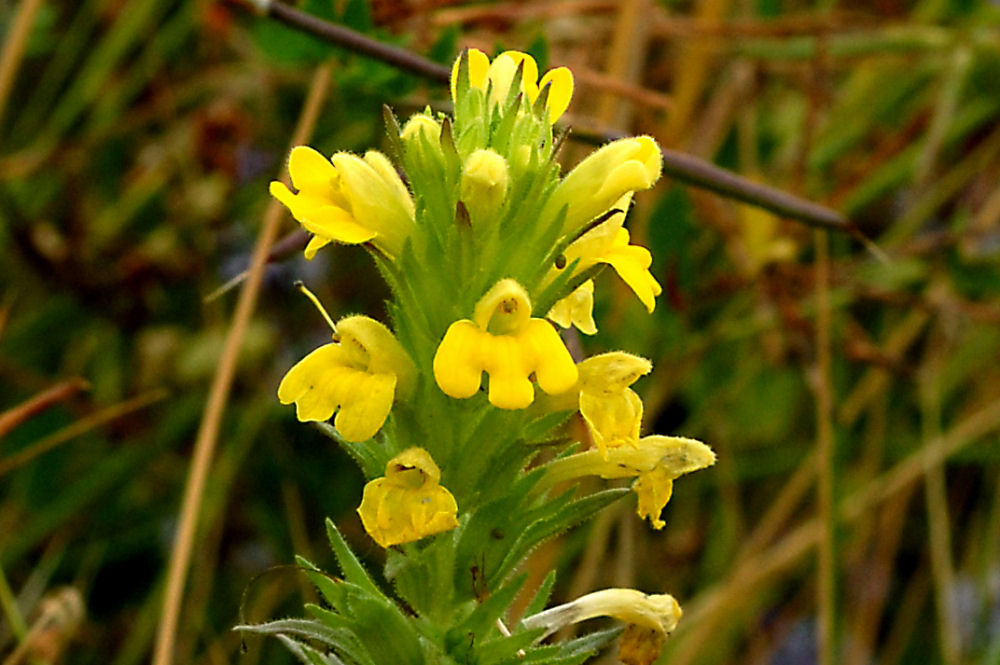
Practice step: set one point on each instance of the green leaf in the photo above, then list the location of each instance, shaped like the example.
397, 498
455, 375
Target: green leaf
541, 597
366, 455
565, 517
353, 571
307, 654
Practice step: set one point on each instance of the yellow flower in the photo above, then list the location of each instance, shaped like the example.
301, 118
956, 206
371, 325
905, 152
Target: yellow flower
576, 309
658, 612
347, 199
612, 410
408, 503
505, 342
484, 184
357, 376
602, 178
497, 77
655, 460
608, 243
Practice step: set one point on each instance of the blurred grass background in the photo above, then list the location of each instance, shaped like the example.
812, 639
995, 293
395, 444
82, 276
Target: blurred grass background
136, 143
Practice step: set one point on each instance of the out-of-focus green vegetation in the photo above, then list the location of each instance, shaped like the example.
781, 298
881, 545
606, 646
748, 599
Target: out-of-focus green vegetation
136, 143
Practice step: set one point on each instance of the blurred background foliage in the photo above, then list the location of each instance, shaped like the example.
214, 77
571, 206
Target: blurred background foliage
136, 143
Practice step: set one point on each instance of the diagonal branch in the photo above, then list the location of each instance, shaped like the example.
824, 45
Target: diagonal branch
686, 168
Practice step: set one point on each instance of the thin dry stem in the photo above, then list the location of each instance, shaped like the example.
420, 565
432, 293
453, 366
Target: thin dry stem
825, 581
79, 427
208, 432
703, 615
46, 399
625, 59
936, 502
13, 49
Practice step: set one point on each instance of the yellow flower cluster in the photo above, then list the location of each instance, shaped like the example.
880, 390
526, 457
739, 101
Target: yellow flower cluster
365, 370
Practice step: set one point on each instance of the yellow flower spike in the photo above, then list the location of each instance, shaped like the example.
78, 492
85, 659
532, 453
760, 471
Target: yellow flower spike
408, 503
484, 184
505, 342
347, 199
656, 460
596, 183
612, 410
657, 612
357, 377
576, 309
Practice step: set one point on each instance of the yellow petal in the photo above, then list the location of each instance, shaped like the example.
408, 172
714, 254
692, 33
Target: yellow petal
310, 170
479, 67
632, 262
609, 374
612, 420
560, 81
413, 459
503, 309
378, 199
653, 490
336, 224
306, 381
316, 243
366, 406
555, 370
457, 367
504, 360
529, 72
576, 309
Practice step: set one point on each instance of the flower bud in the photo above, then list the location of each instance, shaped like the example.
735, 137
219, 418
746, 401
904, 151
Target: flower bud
484, 184
593, 187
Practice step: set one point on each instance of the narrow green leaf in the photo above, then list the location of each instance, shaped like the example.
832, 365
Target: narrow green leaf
352, 568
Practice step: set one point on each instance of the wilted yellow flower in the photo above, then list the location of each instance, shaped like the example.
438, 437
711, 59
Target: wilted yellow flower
484, 184
612, 410
659, 612
505, 342
497, 77
655, 460
357, 376
640, 645
608, 243
408, 503
347, 199
576, 309
602, 178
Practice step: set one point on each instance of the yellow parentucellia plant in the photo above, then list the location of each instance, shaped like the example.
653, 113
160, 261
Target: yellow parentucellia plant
489, 250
